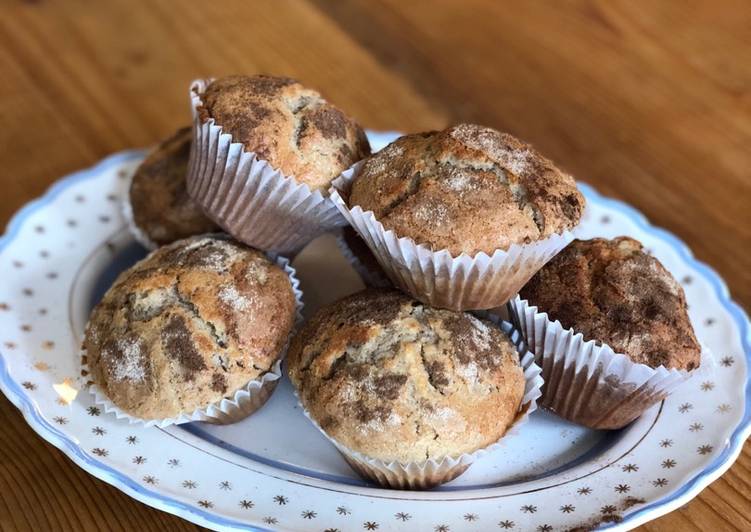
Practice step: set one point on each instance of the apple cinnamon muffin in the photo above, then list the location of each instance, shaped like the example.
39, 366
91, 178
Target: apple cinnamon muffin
287, 124
159, 202
189, 325
466, 189
389, 378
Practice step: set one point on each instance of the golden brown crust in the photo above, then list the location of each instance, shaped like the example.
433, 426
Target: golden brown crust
161, 206
467, 189
188, 325
287, 124
393, 379
614, 292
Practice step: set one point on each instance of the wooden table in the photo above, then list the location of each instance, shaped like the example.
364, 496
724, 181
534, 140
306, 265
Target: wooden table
648, 101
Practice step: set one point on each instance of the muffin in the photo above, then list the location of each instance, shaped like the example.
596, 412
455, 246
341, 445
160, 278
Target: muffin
460, 218
159, 209
628, 321
267, 151
403, 390
357, 253
192, 332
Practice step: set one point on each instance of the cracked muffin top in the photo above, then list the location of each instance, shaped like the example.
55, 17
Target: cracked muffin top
188, 325
467, 189
161, 206
396, 380
288, 125
613, 292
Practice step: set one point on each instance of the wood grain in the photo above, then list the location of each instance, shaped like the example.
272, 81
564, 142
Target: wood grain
649, 102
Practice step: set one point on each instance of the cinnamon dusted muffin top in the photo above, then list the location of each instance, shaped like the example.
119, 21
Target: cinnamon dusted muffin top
191, 323
161, 206
467, 189
614, 292
287, 124
394, 379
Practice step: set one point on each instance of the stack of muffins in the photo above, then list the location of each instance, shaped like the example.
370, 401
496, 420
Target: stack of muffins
411, 379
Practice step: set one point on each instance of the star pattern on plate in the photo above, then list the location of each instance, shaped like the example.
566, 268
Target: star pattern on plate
29, 385
149, 479
225, 485
308, 514
270, 520
190, 484
131, 440
704, 449
203, 503
727, 361
544, 528
138, 460
93, 411
100, 451
608, 509
567, 508
696, 427
403, 516
342, 510
529, 508
666, 443
60, 420
586, 490
98, 431
281, 500
506, 524
173, 462
471, 517
630, 468
622, 488
370, 525
685, 407
441, 528
707, 386
660, 482
246, 504
669, 463
724, 408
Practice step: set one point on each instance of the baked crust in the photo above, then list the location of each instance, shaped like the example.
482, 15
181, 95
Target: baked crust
161, 206
288, 125
396, 380
191, 323
467, 189
614, 292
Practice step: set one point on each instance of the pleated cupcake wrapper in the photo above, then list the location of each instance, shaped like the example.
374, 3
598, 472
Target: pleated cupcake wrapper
252, 201
243, 402
135, 231
433, 472
436, 277
370, 276
591, 384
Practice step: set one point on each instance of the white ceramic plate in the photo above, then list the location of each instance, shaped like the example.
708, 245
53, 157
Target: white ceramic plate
274, 471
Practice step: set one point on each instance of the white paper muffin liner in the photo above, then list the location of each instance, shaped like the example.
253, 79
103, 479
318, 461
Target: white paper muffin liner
591, 384
436, 277
138, 234
247, 197
243, 402
433, 472
372, 277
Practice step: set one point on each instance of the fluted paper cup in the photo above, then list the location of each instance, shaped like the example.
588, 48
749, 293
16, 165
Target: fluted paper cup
246, 196
433, 472
243, 401
589, 383
371, 274
437, 278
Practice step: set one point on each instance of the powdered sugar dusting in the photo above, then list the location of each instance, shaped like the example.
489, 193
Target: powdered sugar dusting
129, 365
235, 299
490, 141
434, 213
480, 334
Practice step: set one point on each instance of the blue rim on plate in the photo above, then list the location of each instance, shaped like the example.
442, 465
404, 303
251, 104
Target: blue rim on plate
104, 472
